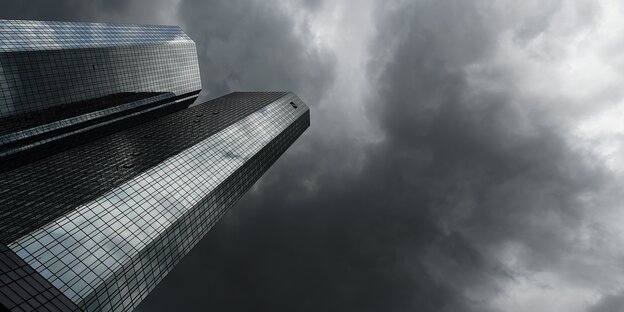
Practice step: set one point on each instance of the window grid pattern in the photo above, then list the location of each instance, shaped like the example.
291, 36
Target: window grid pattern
22, 289
56, 71
24, 35
141, 274
29, 201
40, 81
108, 253
65, 134
57, 125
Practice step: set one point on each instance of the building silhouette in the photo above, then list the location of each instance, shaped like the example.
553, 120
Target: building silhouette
107, 176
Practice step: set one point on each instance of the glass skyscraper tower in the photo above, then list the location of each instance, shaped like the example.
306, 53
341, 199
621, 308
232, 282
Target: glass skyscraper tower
107, 176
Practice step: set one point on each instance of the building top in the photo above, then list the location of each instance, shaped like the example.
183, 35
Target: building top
65, 83
24, 35
88, 171
107, 178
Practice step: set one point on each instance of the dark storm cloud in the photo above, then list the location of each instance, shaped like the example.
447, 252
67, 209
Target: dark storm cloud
114, 11
461, 171
483, 180
454, 179
249, 45
72, 10
463, 146
611, 303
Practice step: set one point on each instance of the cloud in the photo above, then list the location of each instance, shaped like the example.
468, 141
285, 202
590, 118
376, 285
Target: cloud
246, 45
474, 196
138, 11
499, 171
463, 155
609, 303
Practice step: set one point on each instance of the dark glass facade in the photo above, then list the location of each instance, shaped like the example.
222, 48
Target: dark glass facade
62, 84
105, 188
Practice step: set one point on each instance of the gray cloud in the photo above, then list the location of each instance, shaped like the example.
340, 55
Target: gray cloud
486, 182
59, 10
422, 224
245, 45
609, 303
414, 228
473, 189
138, 11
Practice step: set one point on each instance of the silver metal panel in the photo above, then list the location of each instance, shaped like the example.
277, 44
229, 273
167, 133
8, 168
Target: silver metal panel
107, 254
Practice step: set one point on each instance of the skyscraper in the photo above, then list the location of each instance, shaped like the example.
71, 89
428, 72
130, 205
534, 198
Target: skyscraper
107, 176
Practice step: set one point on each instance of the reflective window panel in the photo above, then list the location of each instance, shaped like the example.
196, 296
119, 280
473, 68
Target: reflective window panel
58, 79
108, 253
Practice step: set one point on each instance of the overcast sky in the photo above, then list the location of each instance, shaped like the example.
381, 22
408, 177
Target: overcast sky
463, 155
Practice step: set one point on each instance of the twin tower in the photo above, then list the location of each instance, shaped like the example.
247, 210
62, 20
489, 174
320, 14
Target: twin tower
107, 176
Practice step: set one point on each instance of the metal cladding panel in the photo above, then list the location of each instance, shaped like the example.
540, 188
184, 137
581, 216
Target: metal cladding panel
25, 35
23, 289
106, 181
108, 253
61, 80
28, 199
59, 69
